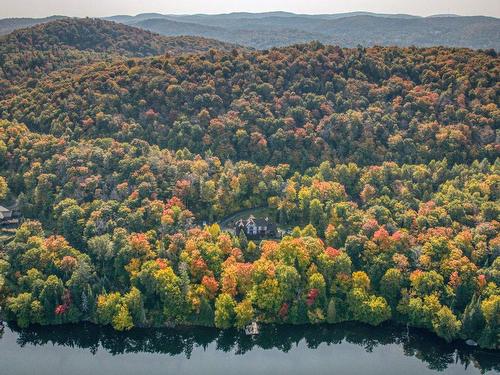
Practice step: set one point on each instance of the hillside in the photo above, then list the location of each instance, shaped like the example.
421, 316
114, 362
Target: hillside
73, 42
295, 105
90, 34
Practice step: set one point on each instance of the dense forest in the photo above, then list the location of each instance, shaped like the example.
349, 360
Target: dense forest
382, 162
297, 105
70, 43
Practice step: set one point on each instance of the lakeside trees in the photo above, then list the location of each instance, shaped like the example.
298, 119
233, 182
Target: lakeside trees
118, 241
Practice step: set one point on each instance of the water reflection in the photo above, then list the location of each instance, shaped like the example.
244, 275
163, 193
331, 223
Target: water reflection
435, 353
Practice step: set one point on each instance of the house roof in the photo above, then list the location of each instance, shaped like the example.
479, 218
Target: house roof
260, 222
3, 209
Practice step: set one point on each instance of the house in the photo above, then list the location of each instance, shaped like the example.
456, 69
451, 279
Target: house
256, 228
5, 213
8, 218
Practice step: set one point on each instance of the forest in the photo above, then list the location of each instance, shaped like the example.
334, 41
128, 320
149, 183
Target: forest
382, 161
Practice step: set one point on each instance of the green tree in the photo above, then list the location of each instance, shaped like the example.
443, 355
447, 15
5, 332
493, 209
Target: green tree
224, 311
122, 320
21, 307
390, 286
244, 313
108, 306
3, 188
446, 324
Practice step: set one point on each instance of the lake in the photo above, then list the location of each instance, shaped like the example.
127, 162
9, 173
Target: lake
340, 349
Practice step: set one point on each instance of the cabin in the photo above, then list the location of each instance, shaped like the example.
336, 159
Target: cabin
256, 228
8, 218
5, 213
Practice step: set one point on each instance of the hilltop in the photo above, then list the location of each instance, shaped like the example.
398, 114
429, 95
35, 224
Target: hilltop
91, 34
7, 25
71, 42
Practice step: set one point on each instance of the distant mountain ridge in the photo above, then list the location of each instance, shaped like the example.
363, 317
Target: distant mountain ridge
7, 25
347, 30
271, 29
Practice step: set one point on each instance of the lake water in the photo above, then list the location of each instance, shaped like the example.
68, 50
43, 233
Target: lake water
340, 349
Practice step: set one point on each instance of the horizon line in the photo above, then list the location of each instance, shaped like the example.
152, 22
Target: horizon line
367, 13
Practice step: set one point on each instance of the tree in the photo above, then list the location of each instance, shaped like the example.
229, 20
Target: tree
169, 289
378, 310
100, 248
22, 308
70, 221
361, 281
426, 283
490, 308
3, 188
122, 320
446, 324
266, 296
51, 295
244, 313
317, 216
309, 231
390, 286
108, 306
288, 281
135, 307
368, 308
331, 312
333, 262
224, 311
422, 311
473, 321
317, 282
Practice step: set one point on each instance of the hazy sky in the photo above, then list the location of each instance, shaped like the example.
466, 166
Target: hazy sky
94, 8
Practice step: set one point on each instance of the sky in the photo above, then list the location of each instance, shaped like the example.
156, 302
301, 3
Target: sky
100, 8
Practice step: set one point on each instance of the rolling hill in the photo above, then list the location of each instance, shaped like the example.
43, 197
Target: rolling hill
90, 34
7, 25
73, 42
